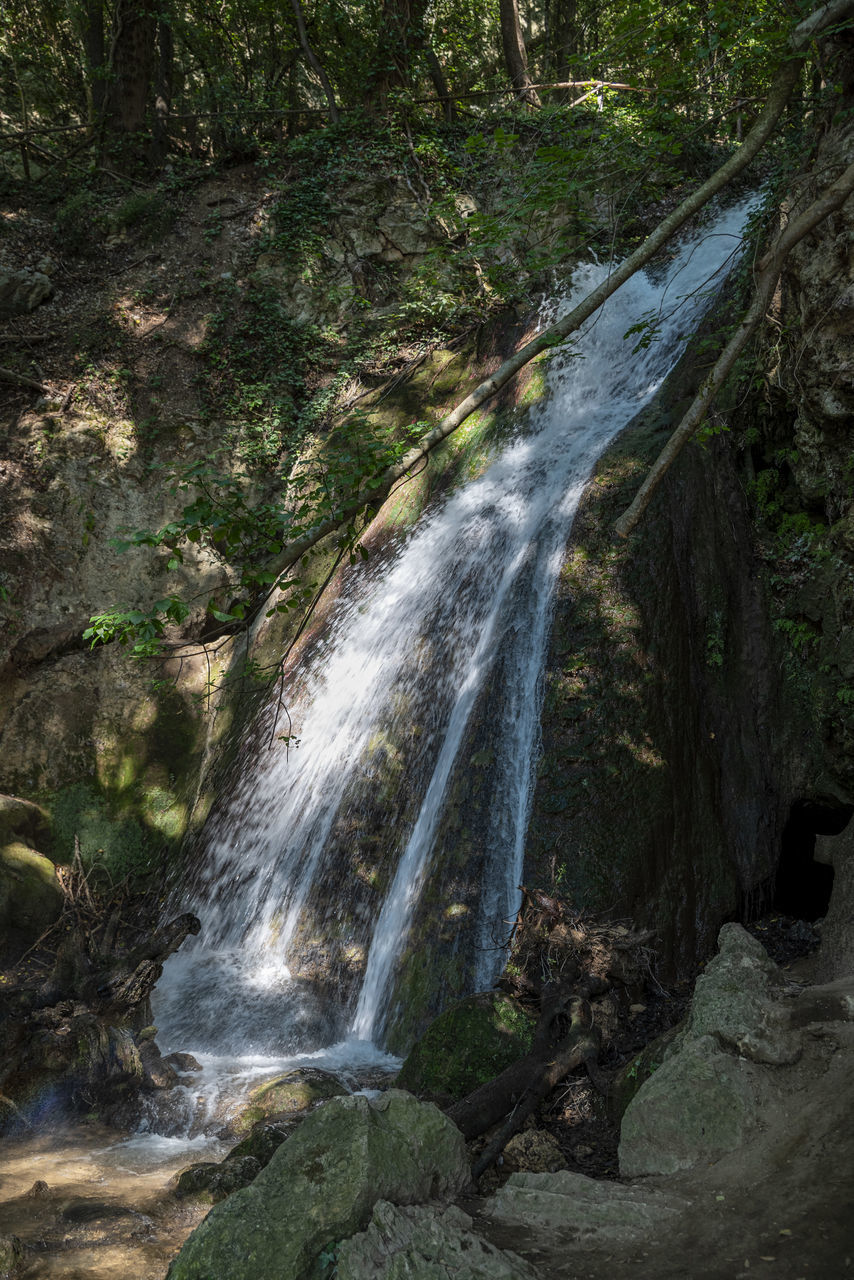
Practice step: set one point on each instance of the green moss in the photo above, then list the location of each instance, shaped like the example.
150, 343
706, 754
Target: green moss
467, 1045
290, 1094
30, 897
119, 846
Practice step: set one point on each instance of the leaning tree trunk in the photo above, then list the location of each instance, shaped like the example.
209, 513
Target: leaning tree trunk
440, 84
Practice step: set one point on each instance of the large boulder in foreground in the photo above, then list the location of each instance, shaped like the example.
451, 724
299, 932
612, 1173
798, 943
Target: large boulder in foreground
321, 1186
706, 1097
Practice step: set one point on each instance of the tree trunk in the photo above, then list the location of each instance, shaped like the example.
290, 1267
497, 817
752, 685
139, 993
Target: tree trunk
565, 38
440, 84
89, 20
515, 53
132, 64
520, 1088
314, 63
163, 90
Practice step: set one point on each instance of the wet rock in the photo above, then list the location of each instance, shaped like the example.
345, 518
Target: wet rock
39, 1190
213, 1182
263, 1141
467, 1045
293, 1093
422, 1241
586, 1210
322, 1185
533, 1152
184, 1063
159, 1074
22, 291
11, 1253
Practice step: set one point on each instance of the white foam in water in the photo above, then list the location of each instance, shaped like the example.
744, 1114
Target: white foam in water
479, 573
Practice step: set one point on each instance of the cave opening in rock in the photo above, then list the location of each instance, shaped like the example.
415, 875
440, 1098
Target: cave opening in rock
803, 884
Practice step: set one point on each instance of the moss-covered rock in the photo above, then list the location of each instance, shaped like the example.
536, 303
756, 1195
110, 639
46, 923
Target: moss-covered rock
288, 1094
321, 1186
468, 1044
30, 896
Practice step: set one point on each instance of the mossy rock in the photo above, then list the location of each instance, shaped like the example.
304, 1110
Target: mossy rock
321, 1187
467, 1045
288, 1094
30, 896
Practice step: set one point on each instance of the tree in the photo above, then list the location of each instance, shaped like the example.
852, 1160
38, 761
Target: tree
515, 53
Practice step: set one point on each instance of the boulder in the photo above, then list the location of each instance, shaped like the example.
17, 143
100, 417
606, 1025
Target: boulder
738, 1000
23, 820
467, 1045
423, 1242
30, 897
705, 1097
700, 1104
212, 1182
22, 291
321, 1186
584, 1209
183, 1063
293, 1093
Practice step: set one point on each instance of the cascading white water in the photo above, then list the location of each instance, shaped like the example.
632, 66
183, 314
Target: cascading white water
470, 586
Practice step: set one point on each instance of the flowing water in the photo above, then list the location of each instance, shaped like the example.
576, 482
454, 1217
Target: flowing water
314, 868
316, 872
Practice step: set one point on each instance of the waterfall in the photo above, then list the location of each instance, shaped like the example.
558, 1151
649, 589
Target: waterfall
316, 866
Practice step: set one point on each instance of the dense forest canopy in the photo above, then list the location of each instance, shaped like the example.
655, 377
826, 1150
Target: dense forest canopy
214, 79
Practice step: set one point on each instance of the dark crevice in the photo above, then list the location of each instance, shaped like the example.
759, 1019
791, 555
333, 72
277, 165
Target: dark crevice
802, 886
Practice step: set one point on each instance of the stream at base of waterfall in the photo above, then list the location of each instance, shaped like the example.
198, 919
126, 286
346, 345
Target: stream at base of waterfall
463, 602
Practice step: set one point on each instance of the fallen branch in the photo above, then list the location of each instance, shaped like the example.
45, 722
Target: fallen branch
518, 1090
770, 267
21, 380
580, 1045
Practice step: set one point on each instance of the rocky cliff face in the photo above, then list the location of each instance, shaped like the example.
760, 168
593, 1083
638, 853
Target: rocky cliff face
698, 737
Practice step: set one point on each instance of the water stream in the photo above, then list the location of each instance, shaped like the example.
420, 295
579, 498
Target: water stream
313, 868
